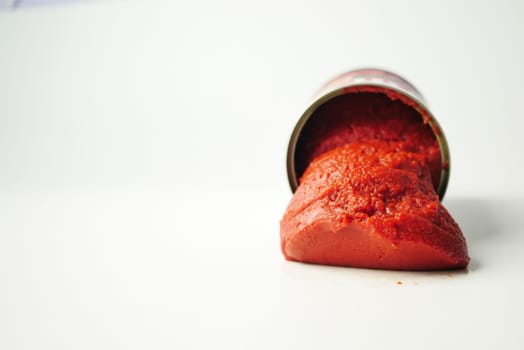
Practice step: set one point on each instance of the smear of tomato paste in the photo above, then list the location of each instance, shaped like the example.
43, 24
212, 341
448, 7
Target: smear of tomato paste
367, 196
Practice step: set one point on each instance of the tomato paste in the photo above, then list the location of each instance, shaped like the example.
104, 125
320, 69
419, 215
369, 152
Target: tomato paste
366, 198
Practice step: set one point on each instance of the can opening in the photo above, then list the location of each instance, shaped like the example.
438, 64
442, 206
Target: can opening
341, 117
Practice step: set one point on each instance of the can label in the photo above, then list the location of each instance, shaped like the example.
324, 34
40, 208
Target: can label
376, 77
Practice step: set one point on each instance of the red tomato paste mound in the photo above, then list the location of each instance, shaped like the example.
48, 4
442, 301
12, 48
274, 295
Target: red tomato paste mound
367, 195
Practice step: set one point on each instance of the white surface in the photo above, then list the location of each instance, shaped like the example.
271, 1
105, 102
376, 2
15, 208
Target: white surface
142, 150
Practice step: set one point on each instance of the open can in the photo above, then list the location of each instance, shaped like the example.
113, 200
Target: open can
376, 81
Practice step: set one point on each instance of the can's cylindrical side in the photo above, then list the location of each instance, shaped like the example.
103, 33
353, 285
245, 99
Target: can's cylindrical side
378, 81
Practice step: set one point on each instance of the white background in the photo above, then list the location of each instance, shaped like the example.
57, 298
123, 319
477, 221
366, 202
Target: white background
142, 174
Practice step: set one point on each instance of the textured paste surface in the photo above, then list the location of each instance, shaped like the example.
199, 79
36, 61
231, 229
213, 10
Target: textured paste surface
367, 197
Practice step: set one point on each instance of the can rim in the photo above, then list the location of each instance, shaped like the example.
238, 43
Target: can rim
406, 97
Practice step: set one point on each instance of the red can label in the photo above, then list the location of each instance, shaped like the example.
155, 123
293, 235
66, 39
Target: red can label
376, 77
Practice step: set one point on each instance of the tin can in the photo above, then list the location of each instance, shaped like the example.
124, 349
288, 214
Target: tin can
377, 81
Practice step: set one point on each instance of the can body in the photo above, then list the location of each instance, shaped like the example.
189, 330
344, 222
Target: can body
376, 81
